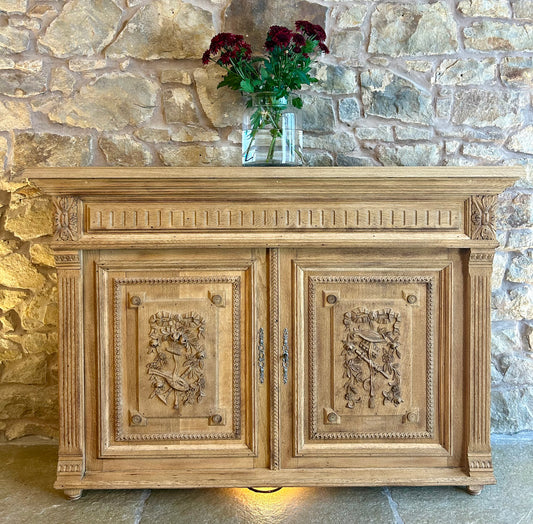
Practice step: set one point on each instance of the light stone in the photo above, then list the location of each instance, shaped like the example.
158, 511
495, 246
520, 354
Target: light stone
179, 106
481, 108
29, 370
515, 304
488, 152
490, 35
520, 239
3, 151
383, 133
354, 160
42, 11
86, 64
13, 40
465, 72
349, 16
123, 150
318, 114
61, 79
30, 218
40, 343
170, 76
13, 6
41, 310
164, 29
422, 66
412, 133
14, 115
112, 102
522, 141
417, 155
517, 71
42, 254
51, 150
223, 107
17, 271
504, 342
413, 29
498, 269
349, 110
522, 9
10, 299
514, 212
519, 372
319, 158
195, 134
200, 155
19, 401
387, 95
489, 8
335, 143
511, 410
9, 350
335, 79
84, 27
152, 135
347, 45
521, 268
21, 84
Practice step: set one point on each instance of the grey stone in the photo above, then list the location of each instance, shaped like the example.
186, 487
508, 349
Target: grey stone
123, 150
318, 114
521, 268
413, 29
517, 71
383, 133
253, 19
505, 341
387, 95
512, 411
335, 142
465, 72
21, 84
14, 115
13, 6
488, 152
522, 9
165, 29
351, 15
112, 102
318, 159
514, 212
335, 79
519, 372
189, 155
522, 141
349, 110
84, 27
499, 266
515, 304
422, 66
223, 107
354, 160
13, 40
520, 239
489, 8
413, 133
51, 150
417, 155
491, 35
347, 45
481, 108
179, 106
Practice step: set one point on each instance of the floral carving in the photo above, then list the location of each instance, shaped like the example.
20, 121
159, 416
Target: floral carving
370, 349
177, 369
66, 218
483, 217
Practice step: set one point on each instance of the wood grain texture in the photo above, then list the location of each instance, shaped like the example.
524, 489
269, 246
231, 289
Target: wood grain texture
317, 326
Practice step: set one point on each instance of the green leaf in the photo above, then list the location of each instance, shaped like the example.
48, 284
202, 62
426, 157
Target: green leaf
297, 102
247, 86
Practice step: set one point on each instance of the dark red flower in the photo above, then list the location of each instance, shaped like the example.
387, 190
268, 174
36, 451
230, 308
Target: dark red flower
298, 39
205, 57
323, 47
313, 30
278, 36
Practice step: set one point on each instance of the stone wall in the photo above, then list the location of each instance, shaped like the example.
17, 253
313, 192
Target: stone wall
119, 82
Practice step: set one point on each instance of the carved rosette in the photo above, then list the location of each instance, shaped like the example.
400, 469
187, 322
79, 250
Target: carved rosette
177, 369
483, 217
66, 219
371, 350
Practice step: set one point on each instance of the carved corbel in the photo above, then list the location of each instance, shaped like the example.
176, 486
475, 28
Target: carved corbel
483, 217
66, 218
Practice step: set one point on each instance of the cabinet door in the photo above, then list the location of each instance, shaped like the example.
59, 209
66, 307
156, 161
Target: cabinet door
368, 340
175, 349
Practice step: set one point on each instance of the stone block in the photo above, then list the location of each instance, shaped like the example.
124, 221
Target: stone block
14, 115
22, 428
81, 65
349, 16
349, 110
504, 341
521, 268
152, 135
30, 369
19, 401
519, 372
501, 259
315, 159
513, 304
61, 79
484, 108
112, 102
340, 142
9, 350
522, 9
335, 79
175, 76
514, 212
40, 311
13, 6
413, 133
35, 343
22, 84
519, 239
164, 29
123, 150
522, 141
30, 218
346, 45
51, 150
200, 155
511, 410
42, 255
517, 71
389, 96
491, 35
466, 72
13, 40
354, 160
10, 299
318, 114
179, 107
84, 27
413, 29
417, 155
195, 134
488, 8
383, 133
487, 152
17, 271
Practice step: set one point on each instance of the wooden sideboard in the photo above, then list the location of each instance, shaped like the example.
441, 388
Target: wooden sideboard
280, 327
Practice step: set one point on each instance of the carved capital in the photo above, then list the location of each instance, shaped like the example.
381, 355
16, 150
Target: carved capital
482, 216
68, 260
66, 219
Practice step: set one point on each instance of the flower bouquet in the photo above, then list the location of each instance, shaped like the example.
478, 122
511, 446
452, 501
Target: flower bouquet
272, 134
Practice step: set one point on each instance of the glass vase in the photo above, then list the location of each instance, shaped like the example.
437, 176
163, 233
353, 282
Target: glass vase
271, 132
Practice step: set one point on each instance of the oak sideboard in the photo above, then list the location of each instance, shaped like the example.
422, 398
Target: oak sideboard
240, 327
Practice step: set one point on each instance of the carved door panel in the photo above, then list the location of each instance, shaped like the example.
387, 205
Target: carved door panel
175, 354
364, 339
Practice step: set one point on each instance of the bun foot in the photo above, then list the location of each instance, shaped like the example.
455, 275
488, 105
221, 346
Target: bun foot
73, 494
474, 489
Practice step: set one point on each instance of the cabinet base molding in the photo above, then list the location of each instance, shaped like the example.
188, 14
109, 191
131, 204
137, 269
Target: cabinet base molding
231, 327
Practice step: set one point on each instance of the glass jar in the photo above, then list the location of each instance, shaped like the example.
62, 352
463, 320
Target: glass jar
271, 132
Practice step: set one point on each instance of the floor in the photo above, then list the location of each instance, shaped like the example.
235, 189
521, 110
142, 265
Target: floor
26, 496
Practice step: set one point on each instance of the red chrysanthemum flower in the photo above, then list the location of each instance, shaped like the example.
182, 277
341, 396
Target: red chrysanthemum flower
205, 57
278, 36
313, 30
323, 47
